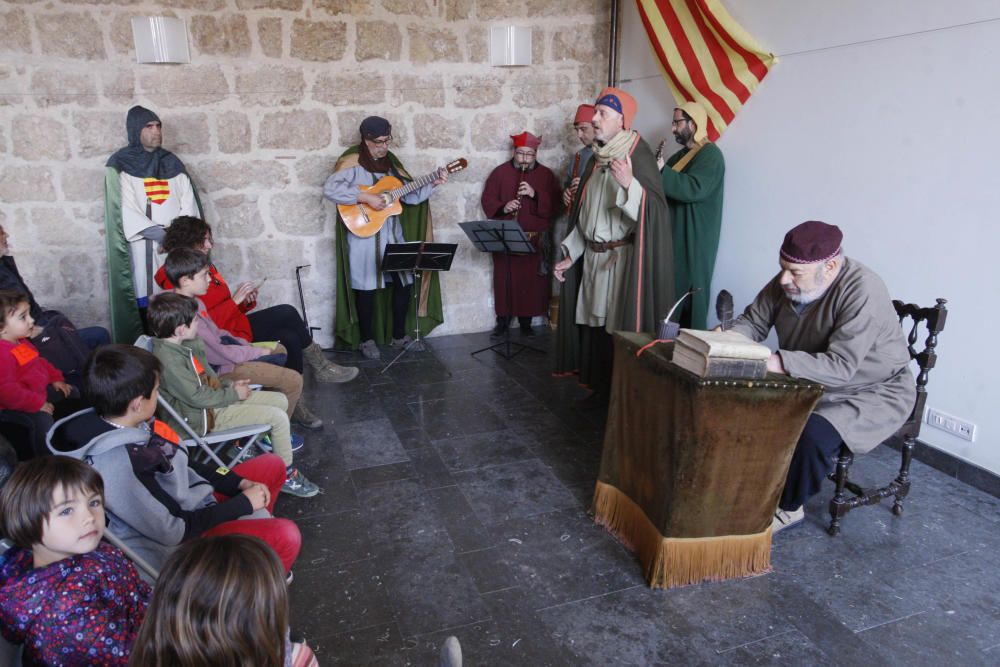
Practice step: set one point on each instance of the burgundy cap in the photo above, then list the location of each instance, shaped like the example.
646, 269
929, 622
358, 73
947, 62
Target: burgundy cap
811, 242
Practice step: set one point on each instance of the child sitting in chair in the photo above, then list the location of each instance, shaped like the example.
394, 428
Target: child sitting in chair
68, 597
29, 385
206, 403
157, 495
233, 358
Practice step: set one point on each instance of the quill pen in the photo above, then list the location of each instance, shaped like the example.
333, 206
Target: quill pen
724, 309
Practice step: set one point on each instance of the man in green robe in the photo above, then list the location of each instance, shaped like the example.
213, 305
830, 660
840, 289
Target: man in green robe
370, 323
692, 183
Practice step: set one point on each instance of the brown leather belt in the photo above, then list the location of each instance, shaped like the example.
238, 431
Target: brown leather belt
604, 246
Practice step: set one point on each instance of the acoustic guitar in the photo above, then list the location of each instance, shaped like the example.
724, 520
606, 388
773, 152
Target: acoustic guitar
365, 221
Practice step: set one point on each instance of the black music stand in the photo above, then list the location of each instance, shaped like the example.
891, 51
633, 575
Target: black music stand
416, 256
504, 236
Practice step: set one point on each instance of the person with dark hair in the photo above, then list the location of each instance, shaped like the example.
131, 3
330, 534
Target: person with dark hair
30, 387
693, 184
145, 188
157, 495
58, 340
67, 596
232, 357
232, 311
220, 601
207, 403
373, 308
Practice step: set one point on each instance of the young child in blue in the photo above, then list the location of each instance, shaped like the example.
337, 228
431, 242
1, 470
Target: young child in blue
68, 597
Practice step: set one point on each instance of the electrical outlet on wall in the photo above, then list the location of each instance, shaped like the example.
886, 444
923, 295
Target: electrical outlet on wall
958, 427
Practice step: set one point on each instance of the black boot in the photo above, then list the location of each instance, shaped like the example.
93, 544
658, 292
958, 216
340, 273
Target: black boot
526, 329
501, 328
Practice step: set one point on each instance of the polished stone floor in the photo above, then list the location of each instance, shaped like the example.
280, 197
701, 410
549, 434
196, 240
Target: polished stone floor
455, 503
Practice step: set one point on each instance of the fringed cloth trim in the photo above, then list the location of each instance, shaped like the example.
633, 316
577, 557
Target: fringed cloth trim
678, 561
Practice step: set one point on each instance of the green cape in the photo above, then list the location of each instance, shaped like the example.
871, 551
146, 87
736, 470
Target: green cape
125, 323
695, 199
416, 222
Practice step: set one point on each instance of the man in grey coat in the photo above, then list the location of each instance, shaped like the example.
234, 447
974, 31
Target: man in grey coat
836, 326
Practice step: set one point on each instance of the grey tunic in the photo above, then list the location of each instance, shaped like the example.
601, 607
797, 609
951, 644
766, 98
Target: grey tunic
850, 341
342, 188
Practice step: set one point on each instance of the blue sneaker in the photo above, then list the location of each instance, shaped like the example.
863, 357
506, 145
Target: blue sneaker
264, 442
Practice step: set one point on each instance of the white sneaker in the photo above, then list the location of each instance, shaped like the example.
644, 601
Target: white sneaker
784, 519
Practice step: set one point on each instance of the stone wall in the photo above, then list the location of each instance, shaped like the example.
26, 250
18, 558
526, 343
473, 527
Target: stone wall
275, 90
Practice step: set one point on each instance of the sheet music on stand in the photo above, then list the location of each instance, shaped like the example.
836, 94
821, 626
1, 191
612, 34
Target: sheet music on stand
507, 237
416, 256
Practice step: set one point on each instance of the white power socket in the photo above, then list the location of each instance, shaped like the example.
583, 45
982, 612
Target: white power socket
957, 427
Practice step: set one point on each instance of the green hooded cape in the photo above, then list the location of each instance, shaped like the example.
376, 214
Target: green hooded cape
416, 223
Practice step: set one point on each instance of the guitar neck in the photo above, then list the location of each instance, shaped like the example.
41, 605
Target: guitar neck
414, 185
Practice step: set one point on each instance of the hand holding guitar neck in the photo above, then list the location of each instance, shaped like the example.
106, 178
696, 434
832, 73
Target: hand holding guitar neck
377, 203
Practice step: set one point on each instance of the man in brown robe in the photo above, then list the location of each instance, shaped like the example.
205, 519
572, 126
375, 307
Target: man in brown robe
836, 326
527, 191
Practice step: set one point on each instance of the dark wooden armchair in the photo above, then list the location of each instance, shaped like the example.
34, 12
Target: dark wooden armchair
910, 316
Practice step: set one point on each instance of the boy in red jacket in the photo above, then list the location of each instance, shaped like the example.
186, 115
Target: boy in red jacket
29, 385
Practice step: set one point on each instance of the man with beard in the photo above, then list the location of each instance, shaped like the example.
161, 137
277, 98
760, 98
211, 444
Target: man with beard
145, 187
836, 326
527, 191
692, 183
621, 228
371, 305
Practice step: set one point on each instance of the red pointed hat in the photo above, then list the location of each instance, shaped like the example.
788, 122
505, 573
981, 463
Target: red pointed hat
526, 140
811, 242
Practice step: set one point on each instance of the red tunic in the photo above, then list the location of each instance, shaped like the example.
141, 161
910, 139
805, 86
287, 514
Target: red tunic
529, 291
226, 313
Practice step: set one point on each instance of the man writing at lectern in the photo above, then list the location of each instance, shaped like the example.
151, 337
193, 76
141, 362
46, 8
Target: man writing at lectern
836, 326
621, 227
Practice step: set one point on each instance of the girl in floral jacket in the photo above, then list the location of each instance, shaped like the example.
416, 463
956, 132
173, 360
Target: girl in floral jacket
68, 597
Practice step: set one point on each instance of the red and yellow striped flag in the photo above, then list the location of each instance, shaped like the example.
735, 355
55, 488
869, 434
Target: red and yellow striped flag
705, 56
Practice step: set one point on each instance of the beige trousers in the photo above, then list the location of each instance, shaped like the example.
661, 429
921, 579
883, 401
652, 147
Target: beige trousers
262, 407
276, 378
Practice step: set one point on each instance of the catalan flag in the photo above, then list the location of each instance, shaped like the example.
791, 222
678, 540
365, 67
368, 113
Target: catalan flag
157, 190
705, 56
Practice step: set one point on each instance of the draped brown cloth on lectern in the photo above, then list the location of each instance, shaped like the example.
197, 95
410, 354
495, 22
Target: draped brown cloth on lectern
692, 467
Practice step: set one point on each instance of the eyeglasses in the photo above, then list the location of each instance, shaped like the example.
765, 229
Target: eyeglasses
381, 142
524, 153
678, 121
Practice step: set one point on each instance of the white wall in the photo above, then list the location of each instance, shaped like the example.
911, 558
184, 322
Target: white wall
895, 140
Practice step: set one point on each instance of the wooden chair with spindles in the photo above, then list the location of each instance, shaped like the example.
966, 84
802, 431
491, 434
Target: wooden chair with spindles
914, 318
